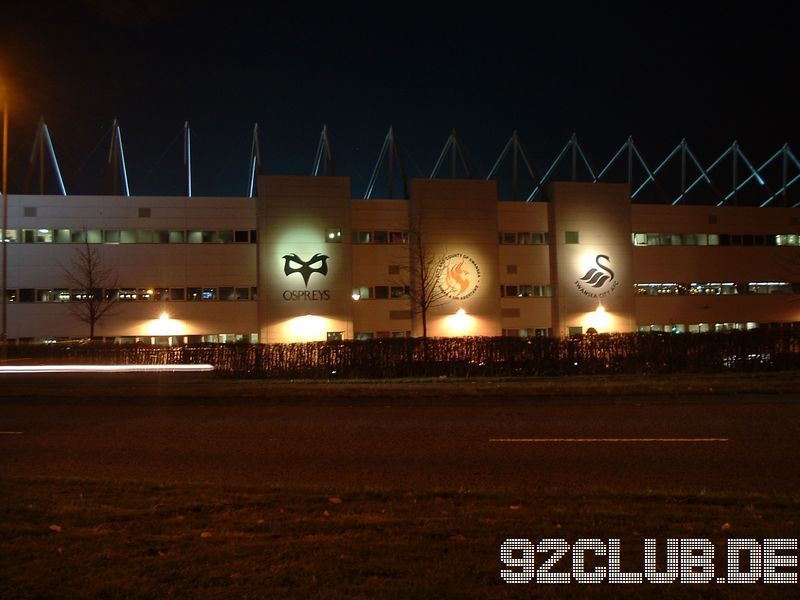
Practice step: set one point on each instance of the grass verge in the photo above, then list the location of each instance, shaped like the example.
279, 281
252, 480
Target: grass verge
78, 538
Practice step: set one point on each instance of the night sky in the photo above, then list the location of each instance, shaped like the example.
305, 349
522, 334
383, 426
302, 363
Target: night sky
711, 72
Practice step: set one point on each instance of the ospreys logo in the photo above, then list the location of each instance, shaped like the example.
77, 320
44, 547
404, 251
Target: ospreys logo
597, 278
317, 264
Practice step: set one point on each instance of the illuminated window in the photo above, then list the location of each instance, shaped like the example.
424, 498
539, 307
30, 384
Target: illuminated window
11, 295
111, 236
786, 240
574, 330
127, 236
335, 336
209, 294
62, 236
177, 237
363, 292
526, 291
194, 293
364, 335
508, 237
399, 291
771, 287
362, 237
333, 235
194, 236
398, 237
144, 236
571, 237
639, 239
161, 294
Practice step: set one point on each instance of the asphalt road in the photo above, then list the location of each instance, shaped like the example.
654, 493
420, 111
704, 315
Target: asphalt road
712, 443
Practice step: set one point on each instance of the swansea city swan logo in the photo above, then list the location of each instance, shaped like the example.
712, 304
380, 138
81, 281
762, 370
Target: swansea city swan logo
598, 277
294, 264
598, 281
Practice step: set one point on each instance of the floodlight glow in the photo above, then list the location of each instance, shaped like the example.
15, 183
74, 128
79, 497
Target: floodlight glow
598, 319
308, 328
459, 323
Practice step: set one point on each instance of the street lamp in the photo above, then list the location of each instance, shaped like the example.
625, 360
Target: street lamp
4, 333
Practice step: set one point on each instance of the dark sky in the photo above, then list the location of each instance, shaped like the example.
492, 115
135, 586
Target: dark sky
708, 71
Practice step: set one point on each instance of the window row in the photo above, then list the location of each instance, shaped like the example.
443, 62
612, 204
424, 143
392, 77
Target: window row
131, 236
526, 291
133, 294
716, 288
714, 239
528, 332
380, 292
700, 327
524, 237
380, 237
380, 335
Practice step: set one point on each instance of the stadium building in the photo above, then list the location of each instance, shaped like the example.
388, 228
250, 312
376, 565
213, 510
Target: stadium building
302, 260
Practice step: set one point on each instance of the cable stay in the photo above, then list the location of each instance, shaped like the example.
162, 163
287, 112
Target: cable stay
391, 155
323, 162
255, 163
43, 146
116, 183
187, 160
456, 151
575, 150
515, 147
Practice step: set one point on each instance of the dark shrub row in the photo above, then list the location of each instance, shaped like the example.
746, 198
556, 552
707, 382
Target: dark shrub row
757, 350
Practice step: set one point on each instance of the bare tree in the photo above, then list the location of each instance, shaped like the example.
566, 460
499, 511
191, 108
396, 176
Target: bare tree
425, 289
92, 278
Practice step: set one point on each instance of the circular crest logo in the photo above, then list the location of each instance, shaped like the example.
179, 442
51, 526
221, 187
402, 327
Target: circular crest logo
458, 276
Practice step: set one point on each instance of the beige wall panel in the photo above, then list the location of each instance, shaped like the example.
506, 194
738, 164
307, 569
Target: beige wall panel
459, 226
595, 274
314, 297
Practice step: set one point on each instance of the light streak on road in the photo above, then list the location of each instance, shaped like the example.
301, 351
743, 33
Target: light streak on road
35, 369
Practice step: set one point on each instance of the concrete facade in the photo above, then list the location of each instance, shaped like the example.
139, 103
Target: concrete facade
305, 262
